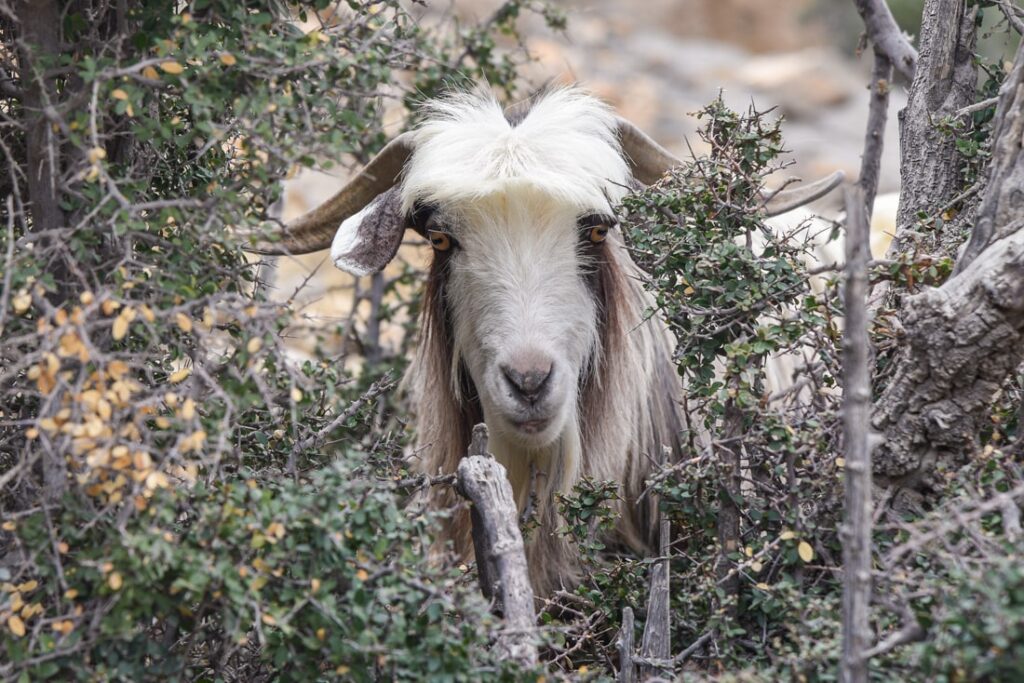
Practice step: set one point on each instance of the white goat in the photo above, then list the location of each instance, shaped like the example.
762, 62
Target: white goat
533, 313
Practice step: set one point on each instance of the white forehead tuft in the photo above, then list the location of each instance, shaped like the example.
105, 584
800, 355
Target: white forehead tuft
567, 146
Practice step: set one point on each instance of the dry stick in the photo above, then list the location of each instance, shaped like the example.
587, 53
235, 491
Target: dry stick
856, 529
624, 643
874, 139
887, 37
499, 546
657, 641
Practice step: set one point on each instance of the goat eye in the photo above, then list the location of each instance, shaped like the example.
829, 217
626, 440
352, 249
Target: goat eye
441, 241
598, 234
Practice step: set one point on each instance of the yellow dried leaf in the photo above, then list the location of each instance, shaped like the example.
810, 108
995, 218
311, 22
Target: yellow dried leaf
756, 566
321, 634
840, 462
180, 375
805, 551
95, 154
63, 627
22, 302
115, 581
314, 585
171, 67
188, 409
763, 586
296, 394
31, 433
184, 322
86, 298
362, 575
119, 94
147, 313
787, 535
228, 59
16, 625
28, 586
63, 548
254, 345
9, 526
120, 328
70, 594
150, 73
268, 620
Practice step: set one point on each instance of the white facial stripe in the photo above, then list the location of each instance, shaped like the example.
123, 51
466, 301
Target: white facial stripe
517, 287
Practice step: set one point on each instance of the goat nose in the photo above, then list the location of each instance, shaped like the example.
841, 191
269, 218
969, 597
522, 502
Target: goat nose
528, 378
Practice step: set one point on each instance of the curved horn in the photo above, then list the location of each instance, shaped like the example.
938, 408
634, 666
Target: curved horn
787, 200
647, 159
315, 230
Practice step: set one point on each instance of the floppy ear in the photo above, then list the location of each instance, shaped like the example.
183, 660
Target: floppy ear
366, 242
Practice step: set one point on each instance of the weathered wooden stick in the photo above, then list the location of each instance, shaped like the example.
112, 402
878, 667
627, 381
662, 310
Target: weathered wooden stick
627, 670
657, 639
856, 529
500, 552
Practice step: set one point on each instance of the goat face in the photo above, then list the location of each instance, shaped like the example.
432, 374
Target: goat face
520, 275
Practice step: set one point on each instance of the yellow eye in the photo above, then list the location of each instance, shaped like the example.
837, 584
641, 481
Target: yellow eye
441, 241
598, 234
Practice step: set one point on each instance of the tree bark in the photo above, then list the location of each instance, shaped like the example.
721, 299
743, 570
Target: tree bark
965, 338
656, 644
499, 548
38, 48
40, 40
944, 82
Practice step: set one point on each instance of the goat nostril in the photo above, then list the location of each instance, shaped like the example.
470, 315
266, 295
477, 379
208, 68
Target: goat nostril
528, 384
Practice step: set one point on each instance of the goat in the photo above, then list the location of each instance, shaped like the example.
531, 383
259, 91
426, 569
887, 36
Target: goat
533, 318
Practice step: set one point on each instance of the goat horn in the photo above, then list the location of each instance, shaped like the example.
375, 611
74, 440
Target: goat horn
315, 230
787, 200
647, 159
650, 161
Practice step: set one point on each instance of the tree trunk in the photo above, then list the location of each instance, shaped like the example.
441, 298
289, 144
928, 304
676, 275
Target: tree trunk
965, 338
944, 82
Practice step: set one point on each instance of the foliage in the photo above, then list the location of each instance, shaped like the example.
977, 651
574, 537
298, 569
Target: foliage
184, 496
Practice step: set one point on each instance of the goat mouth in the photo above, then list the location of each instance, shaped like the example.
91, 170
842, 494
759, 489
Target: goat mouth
531, 426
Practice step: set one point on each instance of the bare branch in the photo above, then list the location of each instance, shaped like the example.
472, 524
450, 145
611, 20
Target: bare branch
887, 37
856, 529
874, 139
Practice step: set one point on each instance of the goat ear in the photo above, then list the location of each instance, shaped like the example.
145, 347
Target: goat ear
366, 242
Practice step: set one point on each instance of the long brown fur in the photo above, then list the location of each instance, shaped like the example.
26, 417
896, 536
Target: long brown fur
628, 407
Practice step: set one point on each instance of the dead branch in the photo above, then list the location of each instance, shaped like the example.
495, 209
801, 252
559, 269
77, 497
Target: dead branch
856, 529
874, 138
887, 37
657, 640
499, 548
624, 643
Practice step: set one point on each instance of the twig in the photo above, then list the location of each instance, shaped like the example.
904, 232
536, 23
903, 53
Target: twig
379, 387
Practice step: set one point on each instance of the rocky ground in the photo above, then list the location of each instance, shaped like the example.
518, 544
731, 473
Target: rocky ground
657, 62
